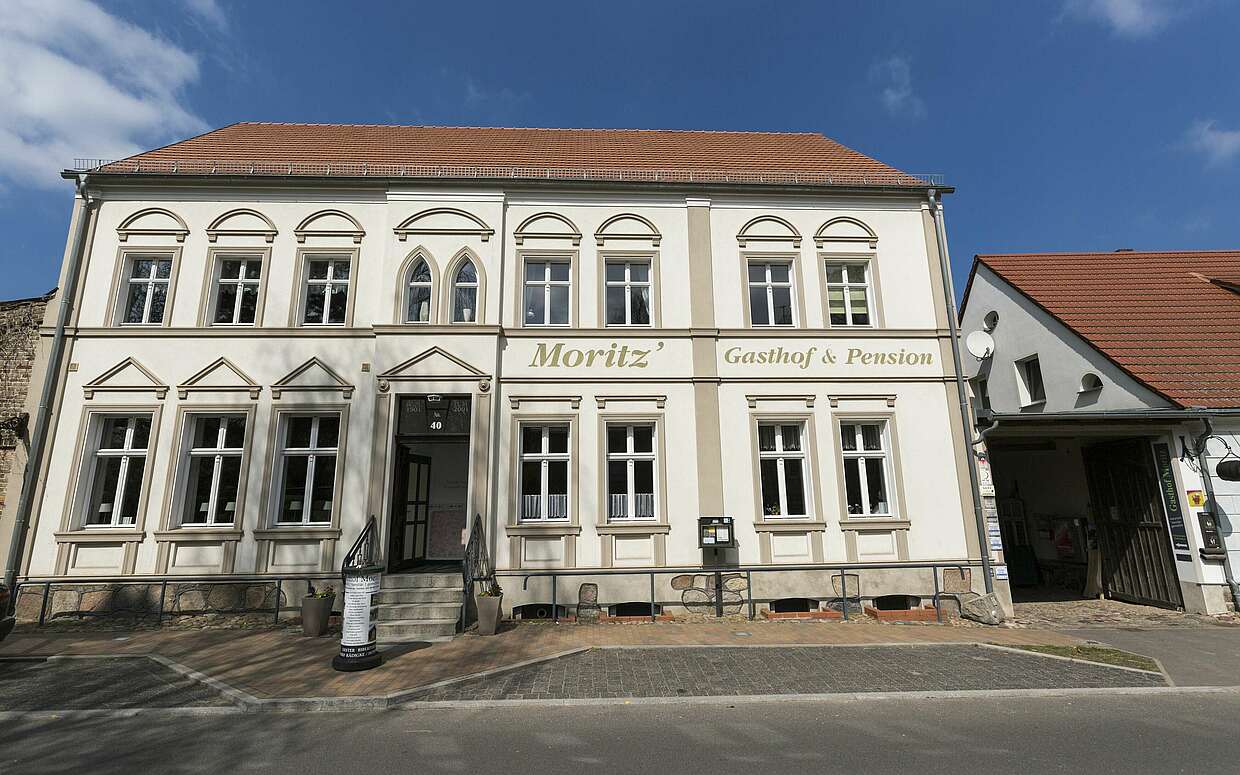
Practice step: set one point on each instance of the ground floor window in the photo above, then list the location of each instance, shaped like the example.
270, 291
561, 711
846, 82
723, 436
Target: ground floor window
864, 447
544, 472
214, 469
630, 472
309, 445
118, 468
781, 464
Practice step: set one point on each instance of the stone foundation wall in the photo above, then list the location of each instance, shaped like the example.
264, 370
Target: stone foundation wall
143, 599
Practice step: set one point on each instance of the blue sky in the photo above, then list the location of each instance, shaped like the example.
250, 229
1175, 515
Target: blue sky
1064, 125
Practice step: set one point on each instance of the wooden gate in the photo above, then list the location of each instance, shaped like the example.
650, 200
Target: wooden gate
1137, 566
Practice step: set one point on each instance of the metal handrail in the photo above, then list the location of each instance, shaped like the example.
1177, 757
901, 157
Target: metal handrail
748, 571
362, 553
475, 567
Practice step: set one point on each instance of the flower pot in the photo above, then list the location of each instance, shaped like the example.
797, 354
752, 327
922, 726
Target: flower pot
315, 612
488, 613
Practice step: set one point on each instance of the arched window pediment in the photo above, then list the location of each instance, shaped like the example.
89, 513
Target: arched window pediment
768, 228
242, 222
444, 220
153, 222
627, 226
845, 229
329, 223
547, 225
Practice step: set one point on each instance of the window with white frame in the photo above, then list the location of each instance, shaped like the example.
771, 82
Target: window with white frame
548, 285
213, 465
770, 293
465, 293
627, 295
418, 306
848, 293
145, 292
544, 472
1029, 381
866, 466
118, 466
630, 472
782, 467
326, 295
237, 281
309, 445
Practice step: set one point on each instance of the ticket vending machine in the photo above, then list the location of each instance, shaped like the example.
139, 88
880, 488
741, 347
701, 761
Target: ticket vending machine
717, 539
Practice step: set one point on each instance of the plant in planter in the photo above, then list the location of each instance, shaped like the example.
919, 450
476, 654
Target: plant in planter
487, 599
316, 608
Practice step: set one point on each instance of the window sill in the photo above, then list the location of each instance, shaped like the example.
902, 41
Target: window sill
192, 533
790, 525
324, 532
96, 535
543, 529
875, 523
633, 527
1034, 404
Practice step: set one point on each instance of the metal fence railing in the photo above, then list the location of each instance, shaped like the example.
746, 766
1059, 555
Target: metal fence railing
717, 601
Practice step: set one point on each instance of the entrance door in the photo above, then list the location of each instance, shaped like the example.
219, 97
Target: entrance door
410, 510
1137, 566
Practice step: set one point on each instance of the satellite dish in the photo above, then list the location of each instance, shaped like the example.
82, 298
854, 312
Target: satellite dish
980, 344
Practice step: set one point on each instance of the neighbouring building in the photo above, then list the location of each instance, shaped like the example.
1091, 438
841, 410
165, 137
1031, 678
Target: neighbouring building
1110, 388
19, 338
586, 339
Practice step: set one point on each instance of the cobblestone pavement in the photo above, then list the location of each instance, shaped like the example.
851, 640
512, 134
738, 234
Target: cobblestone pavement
1075, 614
99, 683
673, 672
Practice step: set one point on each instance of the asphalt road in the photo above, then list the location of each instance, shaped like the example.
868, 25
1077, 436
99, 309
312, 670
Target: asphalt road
1196, 656
1192, 733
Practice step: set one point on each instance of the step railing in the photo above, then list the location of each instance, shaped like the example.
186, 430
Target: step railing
475, 569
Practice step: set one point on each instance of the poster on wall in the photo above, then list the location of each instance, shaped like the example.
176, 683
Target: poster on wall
1171, 496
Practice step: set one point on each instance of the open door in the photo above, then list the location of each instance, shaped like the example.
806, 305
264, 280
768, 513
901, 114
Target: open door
410, 510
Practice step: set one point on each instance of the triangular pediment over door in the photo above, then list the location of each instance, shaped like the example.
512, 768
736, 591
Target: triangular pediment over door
432, 364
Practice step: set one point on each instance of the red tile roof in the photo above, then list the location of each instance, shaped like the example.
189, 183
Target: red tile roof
1160, 316
482, 152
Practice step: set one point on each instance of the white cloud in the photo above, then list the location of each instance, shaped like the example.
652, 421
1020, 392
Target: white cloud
76, 81
1127, 18
896, 77
1219, 146
209, 11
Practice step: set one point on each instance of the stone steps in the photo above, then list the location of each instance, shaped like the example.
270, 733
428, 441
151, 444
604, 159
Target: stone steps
413, 607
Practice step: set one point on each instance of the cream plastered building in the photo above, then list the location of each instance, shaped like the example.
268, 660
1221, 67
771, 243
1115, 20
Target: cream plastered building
277, 332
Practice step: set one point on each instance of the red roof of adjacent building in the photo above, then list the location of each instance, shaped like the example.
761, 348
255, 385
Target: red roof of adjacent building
639, 155
1167, 318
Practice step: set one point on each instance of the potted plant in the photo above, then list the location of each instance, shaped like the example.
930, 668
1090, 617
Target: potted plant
487, 599
316, 608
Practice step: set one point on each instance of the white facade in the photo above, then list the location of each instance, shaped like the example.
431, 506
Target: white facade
1048, 470
701, 376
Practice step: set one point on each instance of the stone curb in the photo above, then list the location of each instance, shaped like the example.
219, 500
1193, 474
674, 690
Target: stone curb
1014, 649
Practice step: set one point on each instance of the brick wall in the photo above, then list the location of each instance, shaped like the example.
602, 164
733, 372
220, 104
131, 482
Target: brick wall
19, 330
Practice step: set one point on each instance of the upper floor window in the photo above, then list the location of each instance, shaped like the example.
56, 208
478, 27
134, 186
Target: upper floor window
145, 295
418, 308
213, 460
781, 467
864, 448
848, 293
237, 281
630, 472
545, 459
465, 293
309, 445
326, 292
118, 467
1029, 381
548, 286
770, 293
628, 293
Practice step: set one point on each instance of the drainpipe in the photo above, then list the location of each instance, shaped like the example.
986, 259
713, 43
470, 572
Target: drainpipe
38, 436
1211, 503
501, 343
936, 206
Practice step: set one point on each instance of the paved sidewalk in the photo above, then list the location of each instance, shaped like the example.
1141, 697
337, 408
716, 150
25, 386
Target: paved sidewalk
727, 671
99, 683
281, 663
1202, 656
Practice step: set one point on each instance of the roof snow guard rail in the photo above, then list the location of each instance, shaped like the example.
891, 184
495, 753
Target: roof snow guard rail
303, 169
